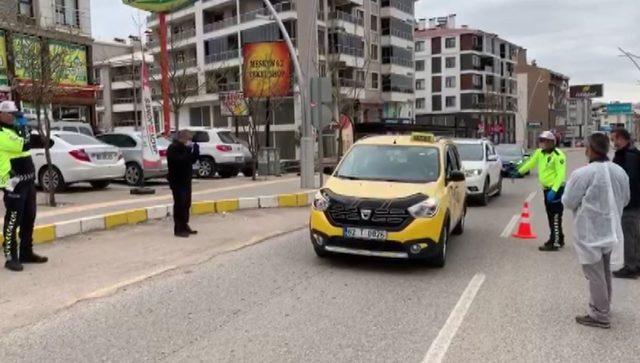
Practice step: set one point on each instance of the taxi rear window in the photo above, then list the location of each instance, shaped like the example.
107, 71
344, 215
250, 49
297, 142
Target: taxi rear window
404, 164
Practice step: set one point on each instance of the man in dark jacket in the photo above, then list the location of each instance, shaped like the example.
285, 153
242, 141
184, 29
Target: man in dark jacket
628, 157
181, 156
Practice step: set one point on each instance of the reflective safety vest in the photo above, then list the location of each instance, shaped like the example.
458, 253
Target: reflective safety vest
11, 147
552, 168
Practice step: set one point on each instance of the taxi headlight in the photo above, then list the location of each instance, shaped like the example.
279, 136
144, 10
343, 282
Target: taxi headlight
320, 202
472, 172
425, 209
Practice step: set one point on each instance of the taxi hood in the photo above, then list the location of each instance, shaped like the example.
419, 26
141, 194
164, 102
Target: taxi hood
378, 189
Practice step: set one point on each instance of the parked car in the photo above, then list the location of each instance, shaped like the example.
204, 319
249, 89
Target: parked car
130, 143
76, 158
511, 156
219, 152
482, 168
78, 126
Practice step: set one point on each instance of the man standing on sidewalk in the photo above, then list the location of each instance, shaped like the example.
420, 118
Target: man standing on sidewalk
552, 171
17, 180
181, 155
597, 194
628, 157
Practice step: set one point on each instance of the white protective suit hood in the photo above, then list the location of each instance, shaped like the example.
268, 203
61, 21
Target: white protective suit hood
597, 194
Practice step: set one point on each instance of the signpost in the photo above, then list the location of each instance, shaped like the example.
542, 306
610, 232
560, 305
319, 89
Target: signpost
586, 91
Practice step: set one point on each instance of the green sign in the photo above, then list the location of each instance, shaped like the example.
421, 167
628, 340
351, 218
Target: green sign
26, 54
158, 6
75, 60
4, 80
619, 109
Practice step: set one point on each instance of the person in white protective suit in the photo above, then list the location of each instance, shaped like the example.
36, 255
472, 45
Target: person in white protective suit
597, 194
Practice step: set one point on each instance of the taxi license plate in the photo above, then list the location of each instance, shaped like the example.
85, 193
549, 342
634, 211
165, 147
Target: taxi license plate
363, 233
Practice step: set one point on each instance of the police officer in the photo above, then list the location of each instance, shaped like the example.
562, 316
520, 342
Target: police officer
17, 180
552, 172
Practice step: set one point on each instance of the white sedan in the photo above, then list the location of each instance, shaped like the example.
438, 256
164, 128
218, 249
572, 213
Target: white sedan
76, 158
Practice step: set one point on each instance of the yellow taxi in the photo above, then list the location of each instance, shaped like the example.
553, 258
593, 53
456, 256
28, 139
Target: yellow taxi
394, 196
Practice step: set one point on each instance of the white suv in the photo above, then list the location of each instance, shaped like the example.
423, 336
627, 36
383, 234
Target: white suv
219, 152
482, 167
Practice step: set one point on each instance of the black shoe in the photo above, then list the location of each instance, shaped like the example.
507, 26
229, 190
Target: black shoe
33, 258
191, 231
548, 247
560, 244
589, 321
625, 273
184, 234
13, 265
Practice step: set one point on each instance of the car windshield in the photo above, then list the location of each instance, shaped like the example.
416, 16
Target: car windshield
509, 150
407, 164
470, 152
79, 139
226, 137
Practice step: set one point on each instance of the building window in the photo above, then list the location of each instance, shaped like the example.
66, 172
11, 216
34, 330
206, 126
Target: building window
25, 8
199, 116
374, 52
476, 60
375, 80
450, 101
421, 103
450, 82
374, 23
420, 46
477, 80
450, 62
420, 65
450, 43
66, 13
420, 84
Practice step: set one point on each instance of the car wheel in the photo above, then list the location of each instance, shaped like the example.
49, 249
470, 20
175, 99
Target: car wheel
100, 184
499, 190
460, 227
440, 258
52, 180
321, 252
484, 198
133, 174
206, 168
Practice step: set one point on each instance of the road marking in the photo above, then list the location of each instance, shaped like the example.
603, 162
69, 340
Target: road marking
531, 196
168, 197
440, 345
510, 225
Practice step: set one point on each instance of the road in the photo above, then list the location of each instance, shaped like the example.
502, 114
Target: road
498, 299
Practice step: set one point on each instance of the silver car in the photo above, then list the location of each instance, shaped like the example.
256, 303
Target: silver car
130, 143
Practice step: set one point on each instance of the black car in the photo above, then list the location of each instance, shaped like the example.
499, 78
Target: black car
512, 156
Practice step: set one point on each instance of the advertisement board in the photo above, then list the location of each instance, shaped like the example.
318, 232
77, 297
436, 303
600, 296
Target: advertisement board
75, 57
158, 6
150, 153
24, 47
619, 109
4, 79
586, 91
266, 70
233, 104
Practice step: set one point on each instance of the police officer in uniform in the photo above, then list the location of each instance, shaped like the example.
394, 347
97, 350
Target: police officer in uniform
552, 172
17, 180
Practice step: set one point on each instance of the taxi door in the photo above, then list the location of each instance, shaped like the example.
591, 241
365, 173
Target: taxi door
456, 190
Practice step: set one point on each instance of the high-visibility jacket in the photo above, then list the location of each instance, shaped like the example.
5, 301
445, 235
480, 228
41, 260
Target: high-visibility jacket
12, 146
552, 168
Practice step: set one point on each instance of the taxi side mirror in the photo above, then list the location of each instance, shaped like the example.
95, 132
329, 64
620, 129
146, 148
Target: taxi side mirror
456, 176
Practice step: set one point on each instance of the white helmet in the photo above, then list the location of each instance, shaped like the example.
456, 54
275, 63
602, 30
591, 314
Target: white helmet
8, 107
547, 135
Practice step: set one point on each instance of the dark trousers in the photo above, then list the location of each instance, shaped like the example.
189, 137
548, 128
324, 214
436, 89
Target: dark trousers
631, 231
555, 210
181, 207
20, 205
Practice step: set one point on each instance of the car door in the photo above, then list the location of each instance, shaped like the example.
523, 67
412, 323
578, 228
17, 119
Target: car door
492, 164
453, 188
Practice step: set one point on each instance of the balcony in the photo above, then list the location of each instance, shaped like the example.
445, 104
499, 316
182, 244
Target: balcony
219, 25
223, 87
122, 100
176, 66
173, 38
125, 77
398, 61
346, 50
259, 13
351, 83
346, 17
223, 56
397, 33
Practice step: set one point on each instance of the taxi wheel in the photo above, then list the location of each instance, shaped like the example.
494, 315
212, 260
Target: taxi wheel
321, 252
440, 258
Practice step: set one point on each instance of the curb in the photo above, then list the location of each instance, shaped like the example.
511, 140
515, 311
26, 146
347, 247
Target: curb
50, 232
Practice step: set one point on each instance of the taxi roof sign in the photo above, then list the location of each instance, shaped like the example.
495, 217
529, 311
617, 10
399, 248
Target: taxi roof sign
423, 137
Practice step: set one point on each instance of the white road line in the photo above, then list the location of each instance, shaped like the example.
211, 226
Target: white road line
440, 345
509, 227
531, 196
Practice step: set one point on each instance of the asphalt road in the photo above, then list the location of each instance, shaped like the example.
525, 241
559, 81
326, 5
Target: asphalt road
498, 299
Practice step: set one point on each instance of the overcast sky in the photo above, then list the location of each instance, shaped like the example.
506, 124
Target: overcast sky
579, 38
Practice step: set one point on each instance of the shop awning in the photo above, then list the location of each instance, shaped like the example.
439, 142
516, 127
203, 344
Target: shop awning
85, 95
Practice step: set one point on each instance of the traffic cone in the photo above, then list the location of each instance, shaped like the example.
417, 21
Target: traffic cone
524, 228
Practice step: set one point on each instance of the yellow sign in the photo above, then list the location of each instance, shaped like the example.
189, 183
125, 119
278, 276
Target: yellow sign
267, 70
4, 80
26, 51
75, 60
422, 137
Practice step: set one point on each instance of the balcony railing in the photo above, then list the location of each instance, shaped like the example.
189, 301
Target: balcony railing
223, 56
398, 61
397, 33
122, 100
125, 77
256, 14
349, 18
223, 87
345, 50
221, 24
174, 37
179, 65
351, 83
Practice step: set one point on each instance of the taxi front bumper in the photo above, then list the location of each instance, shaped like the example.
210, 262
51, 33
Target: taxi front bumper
418, 240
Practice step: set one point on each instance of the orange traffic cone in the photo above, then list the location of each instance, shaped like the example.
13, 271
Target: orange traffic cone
524, 228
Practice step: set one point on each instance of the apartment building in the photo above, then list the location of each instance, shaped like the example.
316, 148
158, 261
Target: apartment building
67, 23
367, 44
465, 84
543, 100
117, 68
579, 119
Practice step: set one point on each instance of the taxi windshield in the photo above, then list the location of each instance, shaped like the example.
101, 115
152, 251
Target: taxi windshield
405, 164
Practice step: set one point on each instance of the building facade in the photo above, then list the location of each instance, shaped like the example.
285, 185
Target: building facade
542, 99
365, 46
58, 24
466, 84
579, 121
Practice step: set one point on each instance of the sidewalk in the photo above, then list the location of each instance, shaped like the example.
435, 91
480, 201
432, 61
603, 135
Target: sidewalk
98, 264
